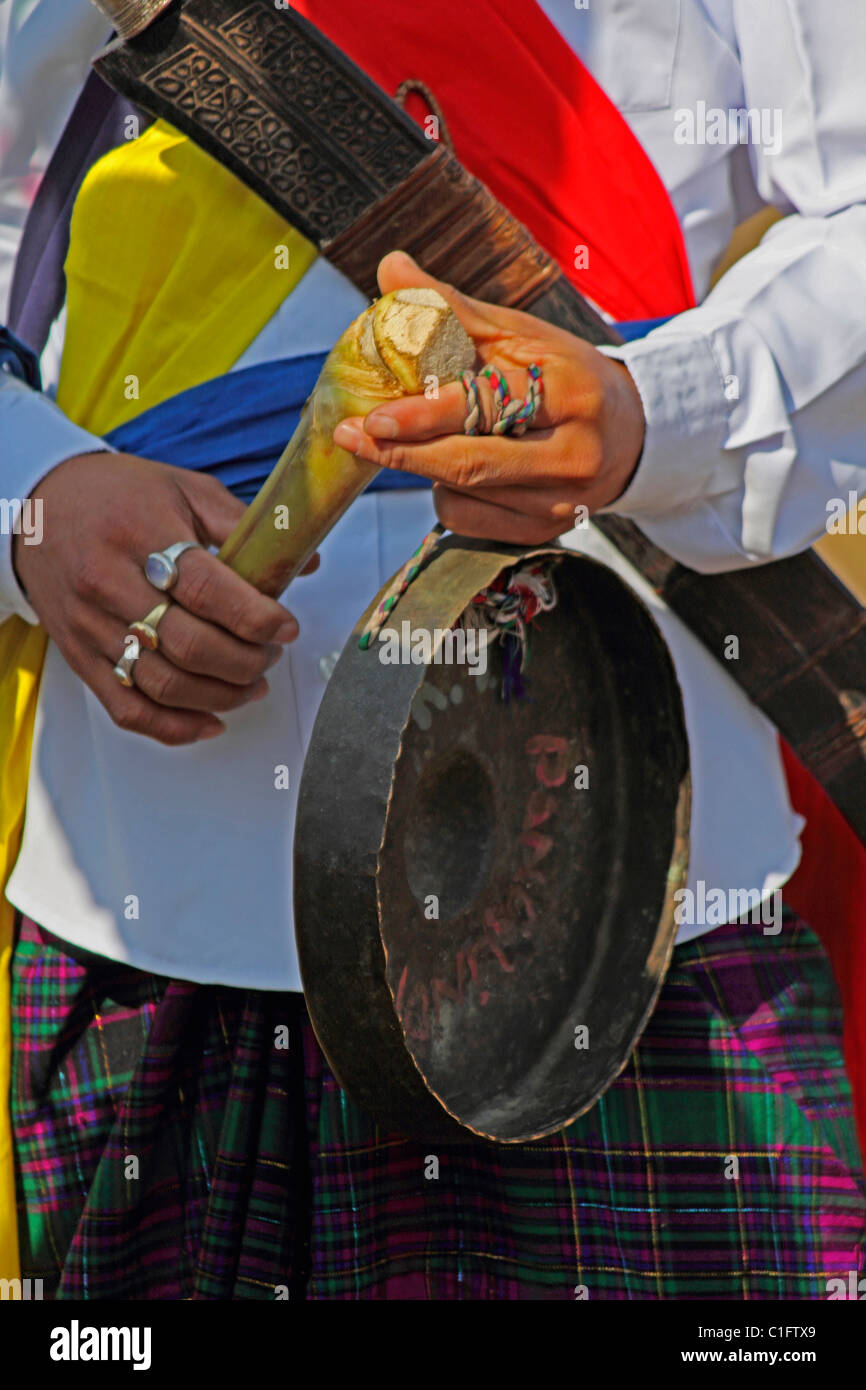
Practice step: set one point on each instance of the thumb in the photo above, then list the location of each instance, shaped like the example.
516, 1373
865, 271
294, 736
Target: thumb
214, 511
483, 322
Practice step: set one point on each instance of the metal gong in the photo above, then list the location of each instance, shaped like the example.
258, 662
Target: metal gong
484, 889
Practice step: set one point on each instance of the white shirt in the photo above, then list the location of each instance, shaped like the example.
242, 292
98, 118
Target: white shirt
723, 481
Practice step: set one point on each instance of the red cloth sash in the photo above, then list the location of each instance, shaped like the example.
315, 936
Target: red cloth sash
829, 891
529, 120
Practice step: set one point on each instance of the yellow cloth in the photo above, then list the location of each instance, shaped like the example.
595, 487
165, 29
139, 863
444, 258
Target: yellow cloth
174, 268
846, 555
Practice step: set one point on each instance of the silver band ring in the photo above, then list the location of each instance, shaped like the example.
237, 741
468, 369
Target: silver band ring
131, 653
160, 567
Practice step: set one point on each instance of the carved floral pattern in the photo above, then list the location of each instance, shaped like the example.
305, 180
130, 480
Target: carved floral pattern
268, 120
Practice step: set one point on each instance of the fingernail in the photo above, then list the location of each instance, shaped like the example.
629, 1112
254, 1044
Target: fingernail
288, 630
381, 426
275, 654
348, 438
211, 731
258, 692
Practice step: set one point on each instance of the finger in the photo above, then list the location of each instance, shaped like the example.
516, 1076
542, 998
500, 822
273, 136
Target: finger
134, 712
210, 590
562, 507
480, 520
166, 684
486, 323
122, 592
541, 458
483, 322
312, 564
206, 650
416, 417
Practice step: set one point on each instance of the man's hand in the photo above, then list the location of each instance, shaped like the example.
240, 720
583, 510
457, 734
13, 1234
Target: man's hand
102, 515
581, 449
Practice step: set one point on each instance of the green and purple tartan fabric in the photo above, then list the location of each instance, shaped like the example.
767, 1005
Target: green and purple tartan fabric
167, 1147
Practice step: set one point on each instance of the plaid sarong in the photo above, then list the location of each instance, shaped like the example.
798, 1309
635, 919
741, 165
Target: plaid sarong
170, 1146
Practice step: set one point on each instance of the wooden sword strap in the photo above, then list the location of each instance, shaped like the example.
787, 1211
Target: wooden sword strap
266, 94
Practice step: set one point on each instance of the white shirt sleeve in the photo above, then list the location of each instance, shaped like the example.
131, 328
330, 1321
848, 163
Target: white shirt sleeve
45, 48
755, 402
36, 437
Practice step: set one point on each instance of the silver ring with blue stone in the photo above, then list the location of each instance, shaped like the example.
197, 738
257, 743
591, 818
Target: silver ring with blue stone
160, 567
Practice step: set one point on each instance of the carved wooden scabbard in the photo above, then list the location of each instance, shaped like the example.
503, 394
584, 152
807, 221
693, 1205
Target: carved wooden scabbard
273, 100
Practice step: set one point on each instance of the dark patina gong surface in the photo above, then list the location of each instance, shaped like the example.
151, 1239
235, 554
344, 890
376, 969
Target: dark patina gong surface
510, 1012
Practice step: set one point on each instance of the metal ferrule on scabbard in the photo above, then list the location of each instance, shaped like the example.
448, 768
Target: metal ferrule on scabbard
130, 17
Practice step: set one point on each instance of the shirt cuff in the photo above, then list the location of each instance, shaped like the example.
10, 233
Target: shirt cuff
37, 436
686, 401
